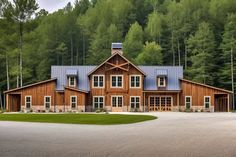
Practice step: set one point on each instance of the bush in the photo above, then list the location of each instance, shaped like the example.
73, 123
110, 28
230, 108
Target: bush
60, 110
98, 111
31, 110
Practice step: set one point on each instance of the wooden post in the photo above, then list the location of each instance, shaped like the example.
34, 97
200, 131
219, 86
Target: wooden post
228, 103
178, 100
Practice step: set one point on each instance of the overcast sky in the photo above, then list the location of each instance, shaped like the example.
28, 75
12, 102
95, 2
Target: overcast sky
53, 5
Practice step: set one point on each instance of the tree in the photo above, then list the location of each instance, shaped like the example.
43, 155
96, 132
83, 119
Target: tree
150, 55
202, 47
228, 47
133, 41
154, 27
21, 11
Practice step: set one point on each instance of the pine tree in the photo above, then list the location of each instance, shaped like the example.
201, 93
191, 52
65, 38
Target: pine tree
202, 48
228, 47
133, 41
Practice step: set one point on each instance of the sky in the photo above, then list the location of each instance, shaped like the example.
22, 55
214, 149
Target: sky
53, 5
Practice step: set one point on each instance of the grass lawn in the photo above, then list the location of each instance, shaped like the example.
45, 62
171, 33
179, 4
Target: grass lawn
99, 119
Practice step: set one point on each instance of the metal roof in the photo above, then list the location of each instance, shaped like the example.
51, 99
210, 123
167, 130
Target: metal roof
71, 72
174, 74
162, 72
116, 45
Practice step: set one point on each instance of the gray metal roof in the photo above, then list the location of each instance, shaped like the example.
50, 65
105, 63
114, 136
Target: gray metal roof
71, 72
162, 72
59, 72
116, 45
174, 73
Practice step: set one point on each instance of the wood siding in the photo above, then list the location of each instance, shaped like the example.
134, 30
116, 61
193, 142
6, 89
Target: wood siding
198, 92
125, 91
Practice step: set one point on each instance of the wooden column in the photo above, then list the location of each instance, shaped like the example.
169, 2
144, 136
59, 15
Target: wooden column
178, 100
228, 102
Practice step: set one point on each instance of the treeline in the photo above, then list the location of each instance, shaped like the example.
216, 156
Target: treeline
199, 35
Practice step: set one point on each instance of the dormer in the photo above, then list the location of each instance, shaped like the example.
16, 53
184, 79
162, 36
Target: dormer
116, 47
72, 77
161, 78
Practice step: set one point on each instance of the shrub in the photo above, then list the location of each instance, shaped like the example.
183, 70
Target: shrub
43, 111
31, 110
60, 110
98, 111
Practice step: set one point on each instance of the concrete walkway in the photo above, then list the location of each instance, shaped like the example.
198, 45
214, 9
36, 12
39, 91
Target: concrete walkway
171, 135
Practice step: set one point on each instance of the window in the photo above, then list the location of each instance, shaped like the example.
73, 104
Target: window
161, 81
72, 81
134, 102
98, 81
47, 102
28, 102
73, 102
188, 102
98, 102
207, 101
117, 101
135, 81
117, 81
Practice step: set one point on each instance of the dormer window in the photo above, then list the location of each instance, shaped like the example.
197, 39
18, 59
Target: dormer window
72, 81
161, 81
72, 77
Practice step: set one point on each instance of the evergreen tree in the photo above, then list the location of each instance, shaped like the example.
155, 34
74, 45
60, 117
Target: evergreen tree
202, 48
229, 51
133, 41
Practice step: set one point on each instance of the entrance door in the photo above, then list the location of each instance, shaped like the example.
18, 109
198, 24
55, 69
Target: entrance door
160, 103
117, 103
221, 103
14, 102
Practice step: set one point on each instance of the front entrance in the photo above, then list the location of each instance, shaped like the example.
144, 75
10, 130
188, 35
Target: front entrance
14, 102
160, 103
117, 103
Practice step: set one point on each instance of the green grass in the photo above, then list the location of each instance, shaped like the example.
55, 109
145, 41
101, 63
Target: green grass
99, 119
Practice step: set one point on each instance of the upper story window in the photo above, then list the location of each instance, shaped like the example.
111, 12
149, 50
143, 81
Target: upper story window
117, 81
135, 81
98, 81
28, 101
47, 102
207, 101
161, 81
72, 81
188, 102
73, 102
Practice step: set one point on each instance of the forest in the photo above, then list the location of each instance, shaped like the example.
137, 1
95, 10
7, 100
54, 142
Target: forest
199, 35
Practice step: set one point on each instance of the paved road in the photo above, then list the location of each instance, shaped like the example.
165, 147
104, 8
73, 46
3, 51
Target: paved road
172, 135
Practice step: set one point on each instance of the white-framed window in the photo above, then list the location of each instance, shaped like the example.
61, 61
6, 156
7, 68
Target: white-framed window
188, 102
135, 81
73, 101
116, 81
28, 101
134, 102
98, 102
72, 81
117, 101
207, 101
47, 102
161, 81
98, 81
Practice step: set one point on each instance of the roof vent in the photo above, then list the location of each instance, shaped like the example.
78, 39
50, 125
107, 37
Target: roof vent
116, 48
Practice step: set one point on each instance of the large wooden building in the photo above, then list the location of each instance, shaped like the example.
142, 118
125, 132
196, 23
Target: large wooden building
118, 85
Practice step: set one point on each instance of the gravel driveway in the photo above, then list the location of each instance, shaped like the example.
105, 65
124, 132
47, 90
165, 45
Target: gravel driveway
171, 135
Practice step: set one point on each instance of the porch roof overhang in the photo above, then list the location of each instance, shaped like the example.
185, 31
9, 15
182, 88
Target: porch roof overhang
30, 85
